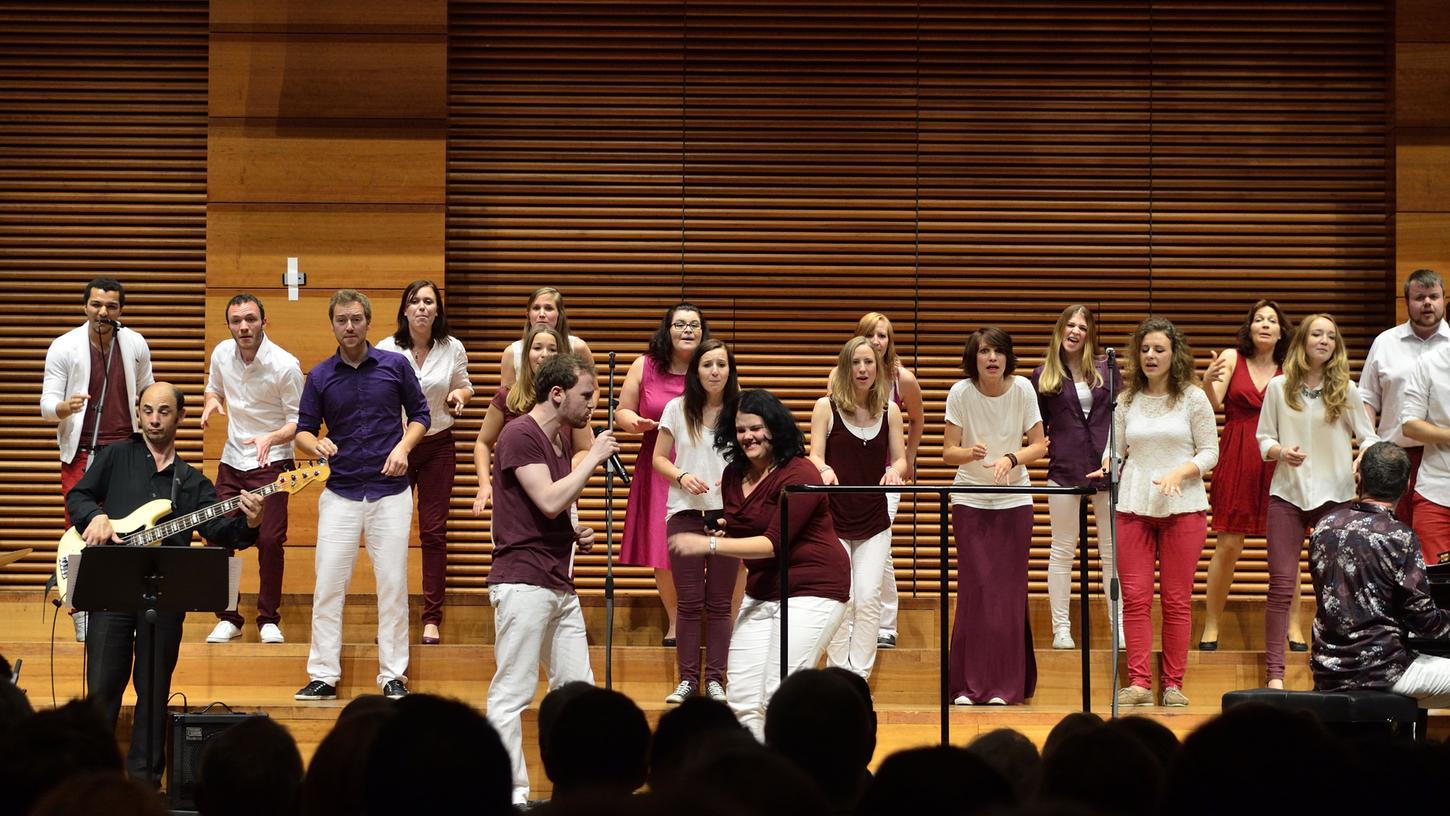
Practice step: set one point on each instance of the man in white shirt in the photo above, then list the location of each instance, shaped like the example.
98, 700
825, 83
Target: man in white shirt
78, 386
257, 386
1391, 362
1425, 414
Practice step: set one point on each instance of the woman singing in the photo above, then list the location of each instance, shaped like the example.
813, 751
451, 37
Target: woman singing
987, 415
441, 364
546, 308
1074, 397
1311, 415
856, 439
686, 455
1235, 383
655, 378
906, 393
1169, 433
765, 452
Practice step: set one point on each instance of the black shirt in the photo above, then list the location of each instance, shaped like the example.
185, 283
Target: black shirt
124, 476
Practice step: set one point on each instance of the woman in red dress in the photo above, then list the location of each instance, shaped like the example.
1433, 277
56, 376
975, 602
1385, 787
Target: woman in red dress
1235, 383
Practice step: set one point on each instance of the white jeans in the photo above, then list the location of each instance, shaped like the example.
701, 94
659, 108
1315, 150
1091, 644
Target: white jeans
1427, 680
890, 601
754, 670
382, 525
853, 647
531, 623
1062, 510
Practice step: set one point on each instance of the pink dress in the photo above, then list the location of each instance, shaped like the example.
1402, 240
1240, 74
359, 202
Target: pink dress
643, 543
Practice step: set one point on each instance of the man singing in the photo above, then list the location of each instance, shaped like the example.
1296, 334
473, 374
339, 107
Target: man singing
124, 476
536, 612
261, 385
360, 393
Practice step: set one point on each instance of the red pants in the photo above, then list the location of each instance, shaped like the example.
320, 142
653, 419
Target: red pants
70, 473
271, 536
1405, 508
431, 467
1432, 525
1174, 543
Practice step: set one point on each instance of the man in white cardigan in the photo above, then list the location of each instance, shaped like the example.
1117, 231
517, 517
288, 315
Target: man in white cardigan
78, 385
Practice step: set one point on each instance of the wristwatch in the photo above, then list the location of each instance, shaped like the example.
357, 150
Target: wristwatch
714, 542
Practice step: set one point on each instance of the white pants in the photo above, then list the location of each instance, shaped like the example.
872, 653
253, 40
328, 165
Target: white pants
531, 623
382, 525
754, 670
890, 601
853, 647
1427, 680
1062, 510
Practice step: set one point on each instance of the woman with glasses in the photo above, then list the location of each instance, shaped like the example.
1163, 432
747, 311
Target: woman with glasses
655, 378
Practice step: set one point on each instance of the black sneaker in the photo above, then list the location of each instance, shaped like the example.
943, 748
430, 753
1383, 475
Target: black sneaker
886, 641
316, 690
395, 689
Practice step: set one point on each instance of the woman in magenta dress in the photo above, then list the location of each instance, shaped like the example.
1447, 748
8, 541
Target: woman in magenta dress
1235, 383
655, 378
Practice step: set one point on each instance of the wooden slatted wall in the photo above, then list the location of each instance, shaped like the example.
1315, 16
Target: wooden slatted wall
102, 172
791, 166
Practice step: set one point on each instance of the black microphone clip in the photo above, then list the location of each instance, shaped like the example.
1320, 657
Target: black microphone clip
614, 464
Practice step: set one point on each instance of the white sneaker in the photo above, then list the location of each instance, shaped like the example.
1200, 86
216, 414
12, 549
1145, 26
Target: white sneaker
1062, 639
272, 634
962, 699
996, 701
225, 631
715, 691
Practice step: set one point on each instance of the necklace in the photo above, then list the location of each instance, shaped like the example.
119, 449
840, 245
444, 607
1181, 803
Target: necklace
1310, 393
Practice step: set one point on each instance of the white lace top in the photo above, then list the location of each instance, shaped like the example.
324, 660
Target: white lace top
1158, 439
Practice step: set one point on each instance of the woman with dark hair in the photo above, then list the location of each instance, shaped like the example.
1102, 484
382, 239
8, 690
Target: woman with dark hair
1075, 390
546, 308
987, 415
655, 378
906, 393
1168, 432
857, 439
764, 452
441, 364
686, 455
1312, 414
1235, 382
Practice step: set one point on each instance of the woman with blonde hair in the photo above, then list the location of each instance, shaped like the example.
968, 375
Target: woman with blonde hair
906, 393
546, 308
857, 439
1167, 431
1075, 391
1312, 414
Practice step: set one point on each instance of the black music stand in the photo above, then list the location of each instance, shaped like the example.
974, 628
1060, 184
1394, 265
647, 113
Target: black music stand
148, 580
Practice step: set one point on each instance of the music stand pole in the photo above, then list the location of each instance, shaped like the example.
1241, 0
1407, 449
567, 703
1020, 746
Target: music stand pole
609, 545
1115, 610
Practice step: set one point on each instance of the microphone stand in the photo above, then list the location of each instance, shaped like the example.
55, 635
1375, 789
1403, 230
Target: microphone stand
1115, 610
609, 543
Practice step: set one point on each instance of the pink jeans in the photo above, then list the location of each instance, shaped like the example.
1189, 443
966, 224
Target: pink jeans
1174, 543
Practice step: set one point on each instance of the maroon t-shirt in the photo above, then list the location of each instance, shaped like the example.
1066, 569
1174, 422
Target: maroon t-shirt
528, 547
819, 566
501, 401
116, 413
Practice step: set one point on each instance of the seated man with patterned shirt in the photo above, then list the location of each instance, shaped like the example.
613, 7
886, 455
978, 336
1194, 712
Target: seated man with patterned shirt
1369, 577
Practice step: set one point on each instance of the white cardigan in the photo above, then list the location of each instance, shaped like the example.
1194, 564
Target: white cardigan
68, 372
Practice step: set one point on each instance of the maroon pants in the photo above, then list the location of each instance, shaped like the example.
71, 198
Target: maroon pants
1287, 527
431, 466
271, 536
704, 585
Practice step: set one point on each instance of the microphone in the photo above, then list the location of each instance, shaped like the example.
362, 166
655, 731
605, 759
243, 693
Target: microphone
614, 464
115, 323
1112, 353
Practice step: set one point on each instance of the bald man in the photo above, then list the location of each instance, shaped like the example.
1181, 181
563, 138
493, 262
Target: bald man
124, 476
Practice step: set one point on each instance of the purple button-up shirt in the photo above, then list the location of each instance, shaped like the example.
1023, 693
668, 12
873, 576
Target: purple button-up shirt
1078, 441
361, 407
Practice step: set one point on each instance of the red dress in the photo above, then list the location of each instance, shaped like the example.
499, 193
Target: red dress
1240, 486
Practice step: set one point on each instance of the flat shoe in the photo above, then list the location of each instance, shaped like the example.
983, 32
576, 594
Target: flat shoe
1208, 645
431, 641
667, 642
1298, 646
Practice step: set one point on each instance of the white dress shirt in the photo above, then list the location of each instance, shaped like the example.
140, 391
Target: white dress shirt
261, 396
1387, 370
444, 369
68, 372
1427, 397
1327, 473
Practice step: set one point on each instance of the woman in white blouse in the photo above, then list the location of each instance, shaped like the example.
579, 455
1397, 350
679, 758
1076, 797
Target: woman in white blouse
441, 364
1311, 414
546, 308
1167, 429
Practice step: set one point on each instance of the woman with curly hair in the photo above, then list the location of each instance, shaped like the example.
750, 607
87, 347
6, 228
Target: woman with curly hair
1312, 413
1168, 433
764, 452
